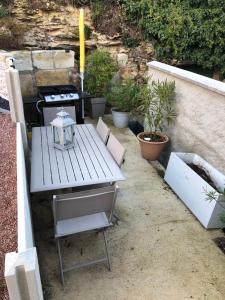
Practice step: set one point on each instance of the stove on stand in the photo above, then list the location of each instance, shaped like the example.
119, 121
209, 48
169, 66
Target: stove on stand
53, 97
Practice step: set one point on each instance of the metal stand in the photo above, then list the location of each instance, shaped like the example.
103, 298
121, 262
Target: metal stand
82, 90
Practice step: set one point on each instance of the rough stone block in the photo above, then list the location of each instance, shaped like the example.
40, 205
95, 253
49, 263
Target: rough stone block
26, 84
23, 61
129, 72
63, 59
43, 59
52, 77
122, 59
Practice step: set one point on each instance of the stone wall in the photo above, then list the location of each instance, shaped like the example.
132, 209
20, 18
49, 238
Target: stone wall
200, 104
43, 67
48, 25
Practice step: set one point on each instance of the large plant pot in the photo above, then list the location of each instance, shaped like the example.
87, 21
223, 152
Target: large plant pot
96, 107
192, 189
151, 150
120, 119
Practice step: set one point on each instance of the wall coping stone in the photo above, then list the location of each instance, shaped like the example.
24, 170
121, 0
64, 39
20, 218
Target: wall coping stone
202, 81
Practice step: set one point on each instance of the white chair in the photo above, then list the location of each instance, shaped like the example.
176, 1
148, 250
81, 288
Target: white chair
103, 130
84, 211
116, 149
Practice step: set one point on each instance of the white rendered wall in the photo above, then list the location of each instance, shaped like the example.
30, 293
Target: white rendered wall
200, 122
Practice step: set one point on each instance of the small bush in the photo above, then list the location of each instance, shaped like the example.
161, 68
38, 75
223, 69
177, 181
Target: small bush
3, 11
87, 32
129, 41
99, 72
125, 96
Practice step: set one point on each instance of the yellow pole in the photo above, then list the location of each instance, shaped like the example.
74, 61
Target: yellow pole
81, 34
82, 54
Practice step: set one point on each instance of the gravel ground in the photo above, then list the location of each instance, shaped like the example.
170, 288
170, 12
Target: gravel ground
8, 206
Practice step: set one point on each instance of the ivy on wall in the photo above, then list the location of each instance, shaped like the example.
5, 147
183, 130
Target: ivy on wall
182, 29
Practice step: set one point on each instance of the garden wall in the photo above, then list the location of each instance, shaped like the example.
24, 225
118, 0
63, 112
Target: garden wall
41, 67
21, 268
200, 104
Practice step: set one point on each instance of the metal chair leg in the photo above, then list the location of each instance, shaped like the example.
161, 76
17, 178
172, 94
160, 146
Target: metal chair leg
116, 219
107, 252
60, 262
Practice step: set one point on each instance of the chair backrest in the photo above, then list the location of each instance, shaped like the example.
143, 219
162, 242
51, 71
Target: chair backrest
85, 203
116, 149
103, 130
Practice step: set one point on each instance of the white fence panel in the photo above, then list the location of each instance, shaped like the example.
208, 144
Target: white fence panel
25, 234
21, 269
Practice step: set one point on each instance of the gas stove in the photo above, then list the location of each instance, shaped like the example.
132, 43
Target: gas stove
58, 93
61, 95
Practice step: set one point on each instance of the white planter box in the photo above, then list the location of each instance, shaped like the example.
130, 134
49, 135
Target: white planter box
191, 188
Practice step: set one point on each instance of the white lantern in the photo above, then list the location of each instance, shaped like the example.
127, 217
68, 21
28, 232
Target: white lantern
63, 131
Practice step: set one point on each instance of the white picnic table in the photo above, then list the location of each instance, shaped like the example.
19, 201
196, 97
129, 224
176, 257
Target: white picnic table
88, 162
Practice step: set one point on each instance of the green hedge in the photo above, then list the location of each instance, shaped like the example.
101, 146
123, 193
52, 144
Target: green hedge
182, 29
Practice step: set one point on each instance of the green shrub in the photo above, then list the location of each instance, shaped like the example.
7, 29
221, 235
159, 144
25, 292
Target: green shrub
3, 11
100, 68
87, 32
183, 29
157, 105
125, 96
129, 41
97, 8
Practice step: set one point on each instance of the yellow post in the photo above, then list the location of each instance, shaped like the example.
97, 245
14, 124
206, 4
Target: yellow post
82, 54
81, 34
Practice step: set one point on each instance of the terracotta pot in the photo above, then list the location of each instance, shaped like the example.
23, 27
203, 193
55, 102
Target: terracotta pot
151, 150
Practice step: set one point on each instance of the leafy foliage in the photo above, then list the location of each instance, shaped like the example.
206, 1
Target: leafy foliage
125, 96
3, 11
99, 72
158, 104
129, 41
213, 195
183, 29
87, 32
106, 16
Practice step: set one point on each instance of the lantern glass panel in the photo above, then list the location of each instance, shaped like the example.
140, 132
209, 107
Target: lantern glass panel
56, 132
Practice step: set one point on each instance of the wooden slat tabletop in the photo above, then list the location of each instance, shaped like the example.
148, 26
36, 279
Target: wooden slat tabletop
89, 162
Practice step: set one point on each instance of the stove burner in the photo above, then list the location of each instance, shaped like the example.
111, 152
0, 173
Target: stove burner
58, 93
61, 97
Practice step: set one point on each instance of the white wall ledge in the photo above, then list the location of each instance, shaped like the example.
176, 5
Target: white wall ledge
202, 81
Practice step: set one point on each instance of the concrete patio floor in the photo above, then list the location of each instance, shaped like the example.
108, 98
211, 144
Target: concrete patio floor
158, 249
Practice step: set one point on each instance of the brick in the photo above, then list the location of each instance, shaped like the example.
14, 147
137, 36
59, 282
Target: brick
52, 77
26, 84
63, 59
43, 59
23, 60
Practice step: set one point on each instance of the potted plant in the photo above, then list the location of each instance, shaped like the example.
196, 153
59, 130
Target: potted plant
100, 70
157, 109
124, 97
199, 185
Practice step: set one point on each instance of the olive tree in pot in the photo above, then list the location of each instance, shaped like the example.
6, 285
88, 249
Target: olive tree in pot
158, 110
100, 69
125, 98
